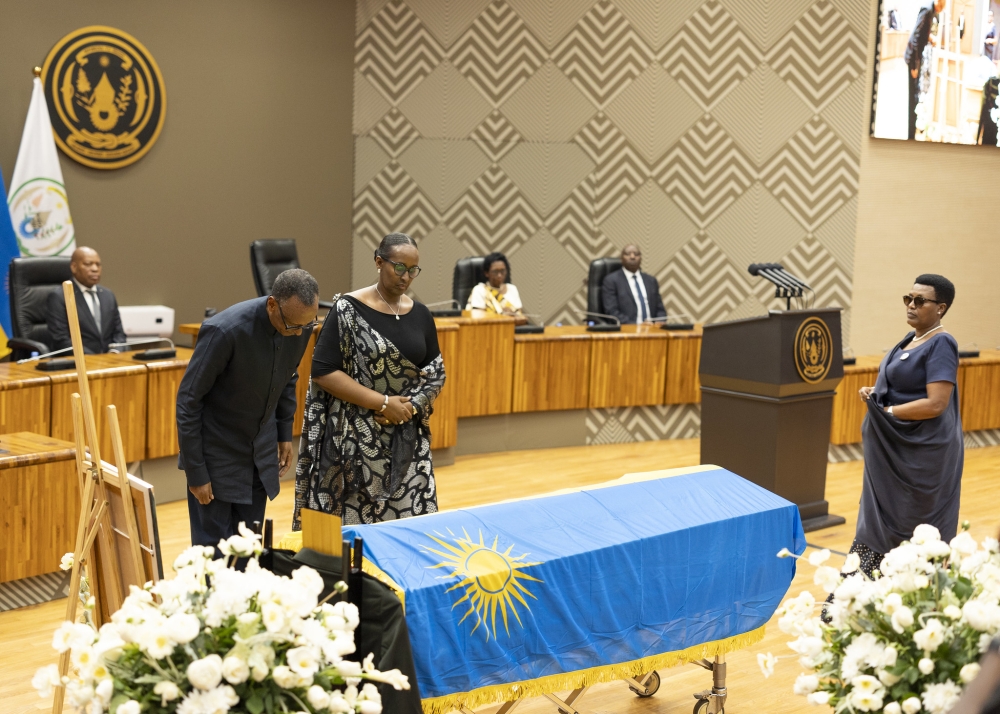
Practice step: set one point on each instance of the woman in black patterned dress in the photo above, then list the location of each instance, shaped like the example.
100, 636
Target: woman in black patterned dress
365, 451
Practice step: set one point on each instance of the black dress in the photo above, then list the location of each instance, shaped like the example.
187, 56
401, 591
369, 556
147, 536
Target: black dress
913, 469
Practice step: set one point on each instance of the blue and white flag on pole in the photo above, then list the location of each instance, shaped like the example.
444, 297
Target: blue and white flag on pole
37, 201
8, 251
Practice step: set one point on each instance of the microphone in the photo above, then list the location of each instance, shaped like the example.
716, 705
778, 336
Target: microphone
666, 325
602, 327
164, 353
47, 354
450, 303
445, 308
146, 341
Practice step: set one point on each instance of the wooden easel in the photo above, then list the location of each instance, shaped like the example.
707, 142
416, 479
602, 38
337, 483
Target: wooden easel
111, 567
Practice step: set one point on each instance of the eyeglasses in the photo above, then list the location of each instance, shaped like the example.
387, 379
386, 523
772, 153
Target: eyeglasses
917, 300
498, 271
292, 328
400, 268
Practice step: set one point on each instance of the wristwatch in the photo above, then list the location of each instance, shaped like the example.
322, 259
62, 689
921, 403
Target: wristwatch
890, 411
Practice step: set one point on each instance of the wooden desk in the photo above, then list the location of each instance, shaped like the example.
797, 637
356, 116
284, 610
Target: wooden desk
628, 368
25, 399
444, 420
190, 328
552, 370
683, 358
163, 381
485, 364
39, 503
978, 390
848, 409
114, 379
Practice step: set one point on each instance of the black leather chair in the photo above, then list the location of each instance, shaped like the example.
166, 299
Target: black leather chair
599, 269
31, 282
269, 259
468, 274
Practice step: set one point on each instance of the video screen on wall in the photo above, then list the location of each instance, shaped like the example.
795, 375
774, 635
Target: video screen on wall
936, 71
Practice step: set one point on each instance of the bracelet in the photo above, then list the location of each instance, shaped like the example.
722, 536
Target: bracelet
385, 403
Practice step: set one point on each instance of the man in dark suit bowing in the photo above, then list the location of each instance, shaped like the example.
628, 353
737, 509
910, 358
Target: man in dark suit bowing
236, 403
100, 322
629, 294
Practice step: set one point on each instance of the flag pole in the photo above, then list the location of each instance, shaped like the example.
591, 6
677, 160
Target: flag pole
36, 71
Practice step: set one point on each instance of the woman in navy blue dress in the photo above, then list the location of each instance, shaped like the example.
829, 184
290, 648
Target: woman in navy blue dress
912, 434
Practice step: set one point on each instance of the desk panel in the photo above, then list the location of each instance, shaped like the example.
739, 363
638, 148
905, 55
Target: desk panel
25, 399
114, 379
163, 381
980, 391
39, 504
628, 369
552, 370
683, 357
302, 386
485, 364
444, 419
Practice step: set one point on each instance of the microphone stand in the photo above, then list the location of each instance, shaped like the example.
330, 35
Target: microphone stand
148, 341
47, 354
602, 327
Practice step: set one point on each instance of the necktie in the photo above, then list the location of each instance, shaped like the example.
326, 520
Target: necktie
95, 307
638, 295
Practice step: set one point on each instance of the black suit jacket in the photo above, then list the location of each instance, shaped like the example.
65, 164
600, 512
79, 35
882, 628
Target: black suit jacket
921, 34
237, 401
95, 341
616, 296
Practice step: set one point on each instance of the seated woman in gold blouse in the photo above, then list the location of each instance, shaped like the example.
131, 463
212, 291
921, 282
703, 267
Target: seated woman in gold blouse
494, 296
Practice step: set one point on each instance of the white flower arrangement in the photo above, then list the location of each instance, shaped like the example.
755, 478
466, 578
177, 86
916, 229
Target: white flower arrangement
904, 642
213, 639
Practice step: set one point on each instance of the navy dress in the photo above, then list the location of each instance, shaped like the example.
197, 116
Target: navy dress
913, 469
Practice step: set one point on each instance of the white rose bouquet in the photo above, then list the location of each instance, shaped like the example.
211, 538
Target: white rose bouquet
904, 642
214, 639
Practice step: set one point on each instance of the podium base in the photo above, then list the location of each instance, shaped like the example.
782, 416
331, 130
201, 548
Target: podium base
827, 520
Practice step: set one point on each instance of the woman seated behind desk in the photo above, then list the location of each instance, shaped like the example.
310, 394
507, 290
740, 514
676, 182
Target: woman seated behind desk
495, 296
365, 450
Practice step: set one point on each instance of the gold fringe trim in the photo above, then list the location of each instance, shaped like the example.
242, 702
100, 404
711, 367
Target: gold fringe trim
290, 541
500, 693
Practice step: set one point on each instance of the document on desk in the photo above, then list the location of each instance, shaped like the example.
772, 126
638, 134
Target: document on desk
550, 592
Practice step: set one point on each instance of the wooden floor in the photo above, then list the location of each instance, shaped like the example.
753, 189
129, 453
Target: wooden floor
25, 635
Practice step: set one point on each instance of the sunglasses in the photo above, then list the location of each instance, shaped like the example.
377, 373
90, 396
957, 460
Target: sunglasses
292, 328
400, 268
917, 300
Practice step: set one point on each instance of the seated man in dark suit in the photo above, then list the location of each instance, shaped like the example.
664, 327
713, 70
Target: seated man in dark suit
630, 295
100, 322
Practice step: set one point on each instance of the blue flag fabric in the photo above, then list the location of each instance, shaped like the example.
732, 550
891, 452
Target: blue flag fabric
609, 574
8, 251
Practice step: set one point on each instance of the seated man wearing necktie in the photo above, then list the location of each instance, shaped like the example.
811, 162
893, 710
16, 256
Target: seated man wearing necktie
100, 322
630, 295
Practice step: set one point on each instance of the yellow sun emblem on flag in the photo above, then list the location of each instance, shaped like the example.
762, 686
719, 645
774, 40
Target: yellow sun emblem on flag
489, 578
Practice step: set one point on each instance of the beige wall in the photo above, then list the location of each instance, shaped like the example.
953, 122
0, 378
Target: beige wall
257, 143
925, 209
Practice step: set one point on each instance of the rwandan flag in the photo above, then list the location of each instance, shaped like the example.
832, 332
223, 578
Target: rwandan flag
569, 589
8, 251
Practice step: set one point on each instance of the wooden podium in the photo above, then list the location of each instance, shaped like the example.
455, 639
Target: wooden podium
767, 387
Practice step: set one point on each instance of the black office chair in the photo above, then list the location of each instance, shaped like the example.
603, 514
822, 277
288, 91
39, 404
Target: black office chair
31, 282
468, 274
599, 269
269, 259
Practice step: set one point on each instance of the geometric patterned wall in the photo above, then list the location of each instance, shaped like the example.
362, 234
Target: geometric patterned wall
713, 134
